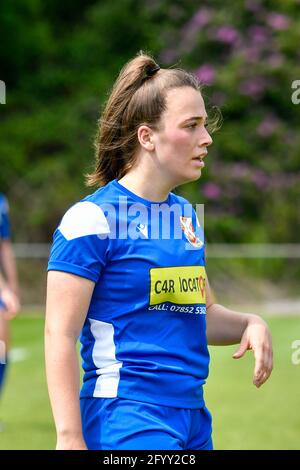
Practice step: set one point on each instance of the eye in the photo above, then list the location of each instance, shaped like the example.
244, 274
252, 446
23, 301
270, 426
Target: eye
192, 126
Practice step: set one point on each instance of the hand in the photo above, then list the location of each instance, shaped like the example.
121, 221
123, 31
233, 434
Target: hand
258, 338
11, 303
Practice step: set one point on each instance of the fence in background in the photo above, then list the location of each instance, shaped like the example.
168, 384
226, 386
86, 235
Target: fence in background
262, 278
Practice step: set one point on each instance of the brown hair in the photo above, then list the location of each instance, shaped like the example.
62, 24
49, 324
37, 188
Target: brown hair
137, 97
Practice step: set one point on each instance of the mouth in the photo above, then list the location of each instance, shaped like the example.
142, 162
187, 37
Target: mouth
199, 159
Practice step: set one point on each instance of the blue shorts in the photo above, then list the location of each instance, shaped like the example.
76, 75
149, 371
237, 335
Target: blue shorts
123, 424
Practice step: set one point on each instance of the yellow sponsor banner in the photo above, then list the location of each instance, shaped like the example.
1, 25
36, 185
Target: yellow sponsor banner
179, 285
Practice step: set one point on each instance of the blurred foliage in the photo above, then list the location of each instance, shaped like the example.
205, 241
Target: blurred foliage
247, 56
59, 60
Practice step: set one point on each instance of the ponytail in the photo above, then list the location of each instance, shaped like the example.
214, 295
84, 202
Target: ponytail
137, 97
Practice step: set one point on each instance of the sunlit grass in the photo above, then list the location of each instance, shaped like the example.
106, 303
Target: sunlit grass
244, 417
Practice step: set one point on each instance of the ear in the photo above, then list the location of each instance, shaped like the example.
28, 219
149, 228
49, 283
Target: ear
145, 137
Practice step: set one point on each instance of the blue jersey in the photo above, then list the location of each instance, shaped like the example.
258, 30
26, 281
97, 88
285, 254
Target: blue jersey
4, 219
144, 336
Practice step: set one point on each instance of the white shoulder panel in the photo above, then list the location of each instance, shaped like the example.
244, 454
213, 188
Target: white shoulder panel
84, 218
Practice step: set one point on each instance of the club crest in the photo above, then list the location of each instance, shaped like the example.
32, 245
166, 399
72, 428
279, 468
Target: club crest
189, 231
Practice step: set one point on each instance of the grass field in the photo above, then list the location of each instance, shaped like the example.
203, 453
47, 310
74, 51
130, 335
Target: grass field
244, 417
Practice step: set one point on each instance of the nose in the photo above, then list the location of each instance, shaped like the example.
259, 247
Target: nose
205, 138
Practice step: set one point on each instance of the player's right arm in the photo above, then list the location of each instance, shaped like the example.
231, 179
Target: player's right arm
9, 267
9, 302
68, 299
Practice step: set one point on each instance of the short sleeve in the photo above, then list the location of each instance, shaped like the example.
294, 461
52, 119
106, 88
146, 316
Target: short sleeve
80, 243
5, 232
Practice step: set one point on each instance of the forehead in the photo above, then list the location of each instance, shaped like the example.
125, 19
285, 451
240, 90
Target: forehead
183, 103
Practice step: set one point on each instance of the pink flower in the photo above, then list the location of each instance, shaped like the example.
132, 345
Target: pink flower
201, 18
253, 5
192, 28
206, 74
253, 87
211, 190
227, 34
240, 170
260, 179
275, 60
267, 127
258, 35
278, 21
252, 54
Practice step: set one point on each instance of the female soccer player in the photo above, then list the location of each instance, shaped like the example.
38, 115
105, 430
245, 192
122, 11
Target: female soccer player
9, 301
127, 270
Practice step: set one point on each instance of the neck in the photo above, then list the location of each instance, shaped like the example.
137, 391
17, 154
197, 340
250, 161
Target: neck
146, 185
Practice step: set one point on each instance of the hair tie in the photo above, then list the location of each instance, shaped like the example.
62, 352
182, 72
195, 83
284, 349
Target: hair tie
151, 70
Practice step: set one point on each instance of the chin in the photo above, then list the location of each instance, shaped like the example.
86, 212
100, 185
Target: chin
189, 178
197, 176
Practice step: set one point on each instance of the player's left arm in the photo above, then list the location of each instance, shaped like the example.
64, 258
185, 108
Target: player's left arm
225, 326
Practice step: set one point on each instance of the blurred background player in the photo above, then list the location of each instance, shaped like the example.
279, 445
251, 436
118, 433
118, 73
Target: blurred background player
9, 288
